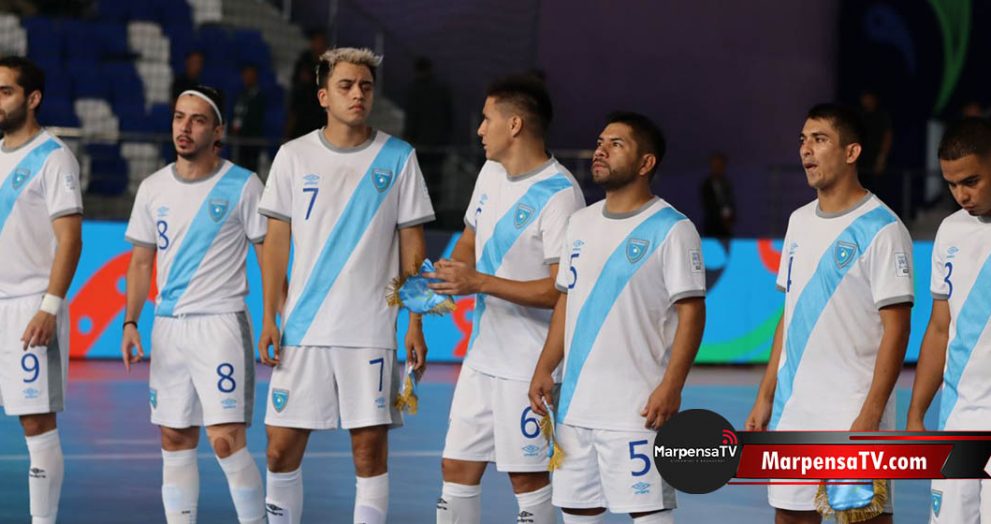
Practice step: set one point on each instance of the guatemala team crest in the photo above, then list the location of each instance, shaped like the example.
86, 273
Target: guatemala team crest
20, 175
218, 208
382, 178
844, 252
635, 249
522, 215
153, 397
280, 397
936, 499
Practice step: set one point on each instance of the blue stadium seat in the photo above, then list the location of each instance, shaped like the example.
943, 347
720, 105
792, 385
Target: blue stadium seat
134, 120
126, 87
108, 171
114, 10
88, 80
172, 13
57, 111
82, 42
44, 41
114, 41
58, 85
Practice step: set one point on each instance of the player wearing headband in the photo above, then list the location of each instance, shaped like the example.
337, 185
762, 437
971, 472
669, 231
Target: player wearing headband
351, 200
40, 224
194, 220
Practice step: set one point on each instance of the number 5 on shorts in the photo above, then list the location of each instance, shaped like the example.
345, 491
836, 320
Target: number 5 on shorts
639, 456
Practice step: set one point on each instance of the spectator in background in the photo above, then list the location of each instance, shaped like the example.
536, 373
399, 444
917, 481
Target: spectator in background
190, 76
717, 200
305, 113
973, 109
249, 118
428, 123
876, 145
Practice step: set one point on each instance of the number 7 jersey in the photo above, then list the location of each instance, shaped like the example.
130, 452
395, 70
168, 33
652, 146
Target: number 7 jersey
345, 207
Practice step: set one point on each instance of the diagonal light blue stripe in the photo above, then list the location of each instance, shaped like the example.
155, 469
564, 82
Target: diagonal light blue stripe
202, 232
28, 167
972, 321
362, 207
507, 231
615, 274
817, 293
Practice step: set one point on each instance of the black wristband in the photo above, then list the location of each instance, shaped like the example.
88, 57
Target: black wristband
126, 322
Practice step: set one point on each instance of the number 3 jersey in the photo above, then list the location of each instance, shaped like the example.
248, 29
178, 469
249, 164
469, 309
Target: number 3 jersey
623, 274
961, 275
345, 207
837, 270
200, 231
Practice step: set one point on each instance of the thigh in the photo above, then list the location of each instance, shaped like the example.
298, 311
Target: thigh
577, 482
222, 366
630, 479
470, 431
519, 444
303, 390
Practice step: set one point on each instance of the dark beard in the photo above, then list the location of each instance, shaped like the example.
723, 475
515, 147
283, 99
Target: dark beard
15, 120
617, 180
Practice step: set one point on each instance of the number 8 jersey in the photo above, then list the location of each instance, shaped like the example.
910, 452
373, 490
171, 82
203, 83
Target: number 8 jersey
345, 207
200, 231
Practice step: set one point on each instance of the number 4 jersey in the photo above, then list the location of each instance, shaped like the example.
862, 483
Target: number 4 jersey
200, 231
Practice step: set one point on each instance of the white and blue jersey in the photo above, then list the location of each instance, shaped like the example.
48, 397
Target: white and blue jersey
39, 182
345, 207
623, 274
837, 270
961, 275
519, 225
200, 231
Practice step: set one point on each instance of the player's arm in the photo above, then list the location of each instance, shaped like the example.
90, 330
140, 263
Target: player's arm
542, 383
929, 371
896, 322
69, 244
139, 271
460, 278
464, 249
412, 251
274, 263
665, 400
760, 414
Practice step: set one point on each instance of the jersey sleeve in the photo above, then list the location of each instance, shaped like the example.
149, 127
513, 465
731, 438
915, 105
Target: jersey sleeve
414, 199
681, 262
782, 281
141, 230
276, 200
255, 225
61, 182
474, 205
554, 222
889, 266
563, 280
938, 285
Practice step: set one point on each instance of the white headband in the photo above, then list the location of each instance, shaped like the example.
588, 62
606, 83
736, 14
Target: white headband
208, 100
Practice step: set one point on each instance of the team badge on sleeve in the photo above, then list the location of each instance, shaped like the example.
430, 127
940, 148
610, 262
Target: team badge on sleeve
153, 397
218, 208
635, 249
280, 397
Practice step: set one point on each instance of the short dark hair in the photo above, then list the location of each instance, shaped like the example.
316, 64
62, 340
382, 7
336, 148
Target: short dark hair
845, 119
648, 136
528, 95
968, 136
29, 76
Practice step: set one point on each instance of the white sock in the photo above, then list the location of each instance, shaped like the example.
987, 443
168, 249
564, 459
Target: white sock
661, 517
371, 499
45, 476
536, 507
246, 486
180, 485
284, 497
459, 504
583, 519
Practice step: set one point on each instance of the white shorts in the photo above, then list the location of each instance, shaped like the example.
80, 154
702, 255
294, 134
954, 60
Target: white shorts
960, 501
491, 421
202, 370
610, 469
802, 498
32, 382
326, 387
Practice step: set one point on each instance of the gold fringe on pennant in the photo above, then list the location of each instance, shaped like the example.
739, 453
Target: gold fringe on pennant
392, 291
547, 428
407, 401
875, 508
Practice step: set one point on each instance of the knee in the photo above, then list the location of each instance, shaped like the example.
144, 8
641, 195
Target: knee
528, 482
177, 440
226, 440
37, 424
